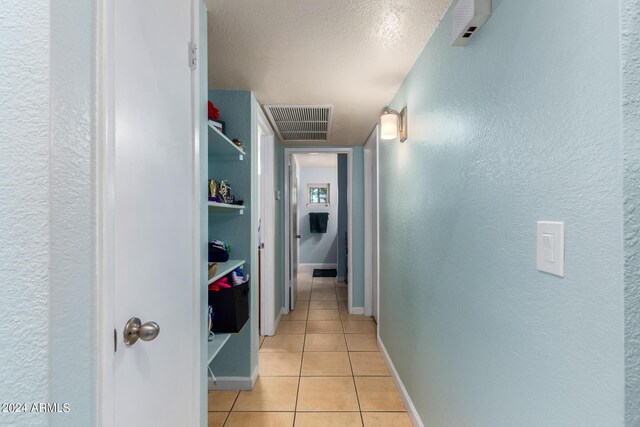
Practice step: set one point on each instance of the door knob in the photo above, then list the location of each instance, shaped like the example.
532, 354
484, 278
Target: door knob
298, 236
135, 329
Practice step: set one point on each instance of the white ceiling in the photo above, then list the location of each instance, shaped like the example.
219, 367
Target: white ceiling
317, 160
352, 54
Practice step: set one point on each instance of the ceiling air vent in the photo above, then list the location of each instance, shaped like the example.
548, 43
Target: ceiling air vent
301, 123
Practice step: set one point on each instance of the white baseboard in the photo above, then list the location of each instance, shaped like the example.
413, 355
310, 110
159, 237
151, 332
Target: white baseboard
408, 404
310, 267
357, 311
234, 383
275, 327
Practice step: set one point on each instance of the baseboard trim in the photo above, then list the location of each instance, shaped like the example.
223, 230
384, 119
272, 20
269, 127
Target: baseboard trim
234, 383
404, 395
278, 319
357, 311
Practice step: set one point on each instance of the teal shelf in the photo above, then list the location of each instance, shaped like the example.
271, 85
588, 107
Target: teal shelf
214, 347
222, 147
225, 208
225, 268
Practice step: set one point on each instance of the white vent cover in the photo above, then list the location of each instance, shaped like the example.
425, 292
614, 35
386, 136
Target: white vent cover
301, 123
467, 18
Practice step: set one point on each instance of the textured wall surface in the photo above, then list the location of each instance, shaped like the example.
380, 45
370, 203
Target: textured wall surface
24, 207
521, 125
318, 248
72, 325
343, 213
631, 143
47, 196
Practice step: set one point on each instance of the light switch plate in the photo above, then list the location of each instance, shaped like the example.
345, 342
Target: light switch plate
550, 247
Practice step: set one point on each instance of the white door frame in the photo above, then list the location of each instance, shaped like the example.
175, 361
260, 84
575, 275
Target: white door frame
371, 187
267, 199
105, 220
287, 225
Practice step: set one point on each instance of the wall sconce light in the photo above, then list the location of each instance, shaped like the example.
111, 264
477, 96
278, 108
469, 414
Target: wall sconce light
394, 124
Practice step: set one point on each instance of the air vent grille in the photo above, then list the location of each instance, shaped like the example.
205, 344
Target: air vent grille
301, 122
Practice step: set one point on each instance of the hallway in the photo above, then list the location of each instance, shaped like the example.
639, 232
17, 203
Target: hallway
322, 368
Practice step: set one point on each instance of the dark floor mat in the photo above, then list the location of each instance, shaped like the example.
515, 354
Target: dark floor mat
325, 272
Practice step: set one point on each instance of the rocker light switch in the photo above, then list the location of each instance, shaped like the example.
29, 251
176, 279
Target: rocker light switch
547, 247
550, 253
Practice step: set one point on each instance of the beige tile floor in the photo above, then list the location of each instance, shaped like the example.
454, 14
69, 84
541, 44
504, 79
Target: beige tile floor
322, 368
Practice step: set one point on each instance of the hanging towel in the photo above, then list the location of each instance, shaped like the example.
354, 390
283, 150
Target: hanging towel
318, 222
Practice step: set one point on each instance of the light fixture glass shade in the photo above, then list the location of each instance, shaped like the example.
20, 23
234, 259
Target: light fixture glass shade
388, 126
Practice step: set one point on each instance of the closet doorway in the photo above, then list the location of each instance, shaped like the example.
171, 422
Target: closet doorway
317, 197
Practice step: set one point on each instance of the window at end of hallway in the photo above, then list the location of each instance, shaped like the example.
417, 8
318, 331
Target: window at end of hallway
318, 194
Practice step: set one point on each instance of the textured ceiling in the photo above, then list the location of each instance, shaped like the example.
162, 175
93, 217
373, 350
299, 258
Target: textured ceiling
351, 54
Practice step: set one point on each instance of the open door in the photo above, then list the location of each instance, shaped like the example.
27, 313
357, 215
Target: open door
294, 234
266, 233
151, 217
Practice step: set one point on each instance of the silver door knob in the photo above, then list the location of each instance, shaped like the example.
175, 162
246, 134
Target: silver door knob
135, 329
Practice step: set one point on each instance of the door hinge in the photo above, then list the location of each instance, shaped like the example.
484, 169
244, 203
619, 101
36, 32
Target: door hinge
115, 340
193, 56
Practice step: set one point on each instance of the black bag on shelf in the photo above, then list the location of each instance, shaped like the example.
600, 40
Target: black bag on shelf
217, 254
231, 308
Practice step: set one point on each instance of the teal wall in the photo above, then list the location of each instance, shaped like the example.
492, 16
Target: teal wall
522, 125
631, 142
356, 248
238, 110
278, 169
343, 213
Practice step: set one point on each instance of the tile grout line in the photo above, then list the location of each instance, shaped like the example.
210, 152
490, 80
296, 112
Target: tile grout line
304, 343
231, 409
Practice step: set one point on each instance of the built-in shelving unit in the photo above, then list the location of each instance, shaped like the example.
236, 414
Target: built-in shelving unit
219, 340
220, 145
233, 354
225, 207
225, 268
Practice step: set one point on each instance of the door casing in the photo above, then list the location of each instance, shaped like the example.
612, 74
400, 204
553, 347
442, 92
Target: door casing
371, 227
287, 207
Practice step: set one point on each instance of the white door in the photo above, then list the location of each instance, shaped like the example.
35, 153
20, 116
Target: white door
294, 233
155, 216
267, 232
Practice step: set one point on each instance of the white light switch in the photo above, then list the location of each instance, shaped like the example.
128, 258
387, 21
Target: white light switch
550, 251
547, 247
